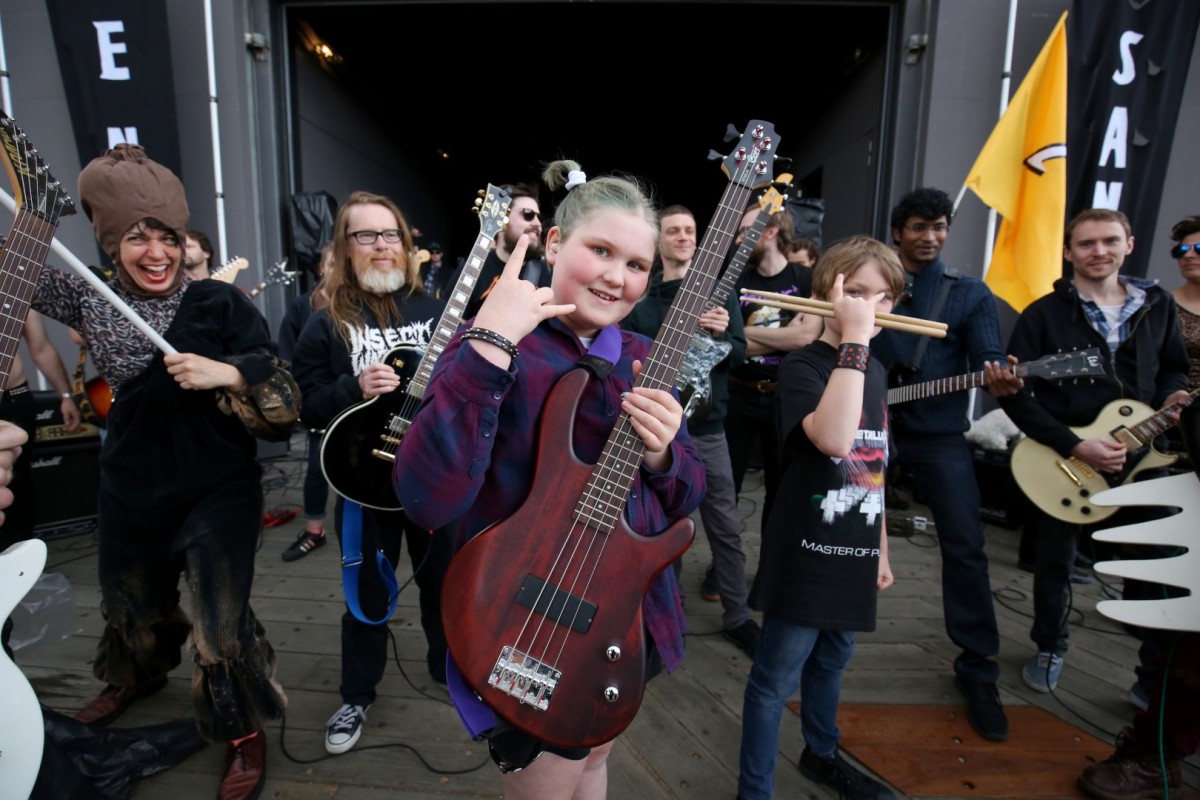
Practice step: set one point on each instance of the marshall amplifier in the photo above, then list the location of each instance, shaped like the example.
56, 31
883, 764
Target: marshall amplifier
65, 469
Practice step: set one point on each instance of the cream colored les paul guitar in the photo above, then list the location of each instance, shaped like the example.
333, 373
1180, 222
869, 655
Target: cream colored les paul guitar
1063, 487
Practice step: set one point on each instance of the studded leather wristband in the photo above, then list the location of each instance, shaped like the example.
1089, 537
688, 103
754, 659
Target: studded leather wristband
491, 337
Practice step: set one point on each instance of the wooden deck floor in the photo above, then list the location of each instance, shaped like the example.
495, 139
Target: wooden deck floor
684, 743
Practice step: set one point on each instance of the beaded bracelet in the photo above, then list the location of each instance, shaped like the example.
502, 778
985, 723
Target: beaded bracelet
853, 356
491, 337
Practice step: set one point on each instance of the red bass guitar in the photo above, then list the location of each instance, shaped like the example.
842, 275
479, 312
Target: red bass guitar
543, 611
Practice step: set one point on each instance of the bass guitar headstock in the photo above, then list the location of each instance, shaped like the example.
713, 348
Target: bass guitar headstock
751, 163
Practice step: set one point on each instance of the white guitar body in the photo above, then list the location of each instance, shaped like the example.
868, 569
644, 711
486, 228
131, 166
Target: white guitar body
1177, 531
1063, 487
22, 734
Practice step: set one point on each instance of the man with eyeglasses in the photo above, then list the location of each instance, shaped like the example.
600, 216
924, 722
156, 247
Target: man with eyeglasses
377, 302
524, 216
929, 435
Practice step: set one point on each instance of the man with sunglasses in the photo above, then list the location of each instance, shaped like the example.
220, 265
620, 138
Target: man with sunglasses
1135, 324
929, 436
524, 216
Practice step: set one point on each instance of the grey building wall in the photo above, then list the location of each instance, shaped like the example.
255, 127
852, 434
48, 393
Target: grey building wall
276, 138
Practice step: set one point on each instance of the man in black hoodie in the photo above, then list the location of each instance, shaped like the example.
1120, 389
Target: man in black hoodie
1135, 325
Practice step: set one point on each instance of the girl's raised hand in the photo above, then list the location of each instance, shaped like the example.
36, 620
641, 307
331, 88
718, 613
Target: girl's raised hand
514, 307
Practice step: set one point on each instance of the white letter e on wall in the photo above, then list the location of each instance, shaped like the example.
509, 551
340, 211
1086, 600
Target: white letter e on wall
109, 71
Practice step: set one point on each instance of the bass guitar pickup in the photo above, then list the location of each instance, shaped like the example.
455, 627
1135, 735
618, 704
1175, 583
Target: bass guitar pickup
558, 606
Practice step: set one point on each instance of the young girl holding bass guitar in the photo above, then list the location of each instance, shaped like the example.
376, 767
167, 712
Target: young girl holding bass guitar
471, 454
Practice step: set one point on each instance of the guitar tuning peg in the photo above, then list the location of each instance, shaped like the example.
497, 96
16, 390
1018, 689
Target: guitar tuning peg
713, 155
732, 133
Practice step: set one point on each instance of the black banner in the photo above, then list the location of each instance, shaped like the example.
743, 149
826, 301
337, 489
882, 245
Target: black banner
115, 59
1128, 64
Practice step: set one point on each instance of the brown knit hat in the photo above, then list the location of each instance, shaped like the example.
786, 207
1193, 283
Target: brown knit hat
124, 186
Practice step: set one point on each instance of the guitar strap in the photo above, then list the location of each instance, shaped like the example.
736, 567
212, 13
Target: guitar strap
919, 354
352, 561
479, 720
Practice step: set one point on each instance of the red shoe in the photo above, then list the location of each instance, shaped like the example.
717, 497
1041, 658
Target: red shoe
245, 769
113, 701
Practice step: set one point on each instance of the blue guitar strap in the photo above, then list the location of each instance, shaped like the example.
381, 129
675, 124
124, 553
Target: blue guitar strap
476, 717
352, 561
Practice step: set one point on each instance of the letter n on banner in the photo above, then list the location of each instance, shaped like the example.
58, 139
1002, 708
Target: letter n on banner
1127, 64
115, 59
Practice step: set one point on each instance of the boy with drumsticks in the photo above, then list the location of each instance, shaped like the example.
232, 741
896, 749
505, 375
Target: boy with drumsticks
824, 549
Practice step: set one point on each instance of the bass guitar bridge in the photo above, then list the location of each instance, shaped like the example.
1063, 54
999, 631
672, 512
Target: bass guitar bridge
524, 677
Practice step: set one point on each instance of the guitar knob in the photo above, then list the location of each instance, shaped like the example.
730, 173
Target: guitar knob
611, 694
613, 653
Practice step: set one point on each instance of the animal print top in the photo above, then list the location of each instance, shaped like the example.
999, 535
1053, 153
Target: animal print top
119, 350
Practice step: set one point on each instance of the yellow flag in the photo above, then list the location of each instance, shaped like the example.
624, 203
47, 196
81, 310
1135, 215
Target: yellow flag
1022, 173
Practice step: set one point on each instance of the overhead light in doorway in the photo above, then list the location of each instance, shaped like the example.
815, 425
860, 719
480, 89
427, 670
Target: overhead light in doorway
315, 45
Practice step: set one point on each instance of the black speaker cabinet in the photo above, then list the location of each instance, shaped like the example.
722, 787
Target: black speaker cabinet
1001, 501
65, 471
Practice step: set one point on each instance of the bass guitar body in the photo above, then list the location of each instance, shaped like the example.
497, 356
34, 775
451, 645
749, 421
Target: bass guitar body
543, 611
1063, 487
359, 446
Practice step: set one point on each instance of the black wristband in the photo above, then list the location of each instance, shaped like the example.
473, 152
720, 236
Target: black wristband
491, 337
853, 356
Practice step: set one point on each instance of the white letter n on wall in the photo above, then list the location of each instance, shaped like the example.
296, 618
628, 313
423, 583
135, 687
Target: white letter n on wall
118, 136
109, 71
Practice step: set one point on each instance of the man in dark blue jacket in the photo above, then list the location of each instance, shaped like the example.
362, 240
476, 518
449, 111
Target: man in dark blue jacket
930, 442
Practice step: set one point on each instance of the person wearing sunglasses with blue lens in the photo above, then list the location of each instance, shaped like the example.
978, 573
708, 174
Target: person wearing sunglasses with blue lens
1186, 235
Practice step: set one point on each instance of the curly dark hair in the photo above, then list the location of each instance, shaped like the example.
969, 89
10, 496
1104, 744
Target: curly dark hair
926, 203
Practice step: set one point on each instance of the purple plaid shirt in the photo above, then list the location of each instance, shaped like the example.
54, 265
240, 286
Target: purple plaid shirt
469, 456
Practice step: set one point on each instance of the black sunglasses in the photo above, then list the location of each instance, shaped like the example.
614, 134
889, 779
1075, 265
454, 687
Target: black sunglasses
1181, 250
530, 215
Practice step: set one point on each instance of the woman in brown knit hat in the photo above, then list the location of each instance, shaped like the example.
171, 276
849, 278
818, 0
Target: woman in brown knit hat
180, 486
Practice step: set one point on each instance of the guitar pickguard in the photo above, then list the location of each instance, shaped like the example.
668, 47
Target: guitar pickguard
1063, 487
695, 374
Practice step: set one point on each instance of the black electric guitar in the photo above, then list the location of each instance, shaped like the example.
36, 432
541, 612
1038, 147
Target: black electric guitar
1060, 366
705, 352
543, 610
1063, 487
359, 447
39, 201
276, 276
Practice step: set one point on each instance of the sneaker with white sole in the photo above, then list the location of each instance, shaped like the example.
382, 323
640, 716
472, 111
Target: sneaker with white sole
344, 728
1041, 671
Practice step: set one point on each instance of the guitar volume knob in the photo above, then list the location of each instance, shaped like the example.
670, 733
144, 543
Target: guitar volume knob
613, 653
